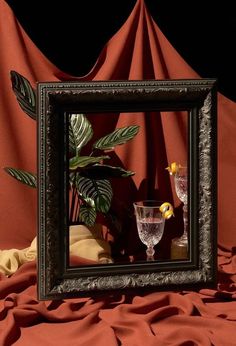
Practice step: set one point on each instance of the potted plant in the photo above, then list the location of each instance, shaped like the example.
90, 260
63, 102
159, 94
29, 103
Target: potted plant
90, 185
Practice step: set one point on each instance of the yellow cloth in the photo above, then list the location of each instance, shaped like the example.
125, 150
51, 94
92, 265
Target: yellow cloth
88, 243
84, 242
11, 260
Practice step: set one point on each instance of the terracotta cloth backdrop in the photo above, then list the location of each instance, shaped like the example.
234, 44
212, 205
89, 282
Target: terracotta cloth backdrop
138, 51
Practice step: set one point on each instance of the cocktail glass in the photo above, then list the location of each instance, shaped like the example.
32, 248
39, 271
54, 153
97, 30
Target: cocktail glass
181, 188
150, 224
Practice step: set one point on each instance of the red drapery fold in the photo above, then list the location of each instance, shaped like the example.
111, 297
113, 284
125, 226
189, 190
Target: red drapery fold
138, 50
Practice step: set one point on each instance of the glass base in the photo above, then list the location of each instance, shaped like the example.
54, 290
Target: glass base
179, 248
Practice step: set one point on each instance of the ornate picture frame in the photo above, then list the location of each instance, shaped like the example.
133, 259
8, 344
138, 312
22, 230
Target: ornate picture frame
58, 280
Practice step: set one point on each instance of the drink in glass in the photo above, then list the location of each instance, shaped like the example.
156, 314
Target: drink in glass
150, 224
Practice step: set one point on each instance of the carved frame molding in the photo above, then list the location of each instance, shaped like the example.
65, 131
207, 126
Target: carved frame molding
199, 97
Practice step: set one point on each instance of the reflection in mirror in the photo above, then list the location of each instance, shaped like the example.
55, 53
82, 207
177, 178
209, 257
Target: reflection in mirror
115, 160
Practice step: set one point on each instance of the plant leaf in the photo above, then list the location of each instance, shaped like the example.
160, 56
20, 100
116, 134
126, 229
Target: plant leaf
80, 132
117, 137
87, 215
83, 161
105, 172
25, 94
98, 190
22, 176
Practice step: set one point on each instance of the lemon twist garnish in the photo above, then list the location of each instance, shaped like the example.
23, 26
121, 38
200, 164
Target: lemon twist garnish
173, 168
167, 210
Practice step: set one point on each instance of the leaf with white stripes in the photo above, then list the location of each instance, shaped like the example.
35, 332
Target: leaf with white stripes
83, 161
87, 215
80, 132
25, 94
117, 137
22, 176
98, 190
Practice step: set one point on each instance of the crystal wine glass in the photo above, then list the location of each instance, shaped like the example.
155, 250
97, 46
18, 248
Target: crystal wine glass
150, 224
181, 188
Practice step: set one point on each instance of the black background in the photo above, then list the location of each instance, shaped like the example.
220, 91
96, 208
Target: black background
72, 33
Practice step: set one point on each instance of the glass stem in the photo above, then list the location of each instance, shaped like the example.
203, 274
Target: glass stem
150, 253
185, 217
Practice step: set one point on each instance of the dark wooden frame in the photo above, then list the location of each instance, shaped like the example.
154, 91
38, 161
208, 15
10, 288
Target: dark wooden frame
56, 280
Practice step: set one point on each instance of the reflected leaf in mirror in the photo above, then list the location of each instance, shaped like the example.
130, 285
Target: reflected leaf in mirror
90, 185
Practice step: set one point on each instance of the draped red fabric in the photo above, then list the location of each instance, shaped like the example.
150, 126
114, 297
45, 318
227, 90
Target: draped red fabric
139, 50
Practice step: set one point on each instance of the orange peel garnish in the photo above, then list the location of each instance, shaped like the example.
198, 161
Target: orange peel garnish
173, 168
167, 210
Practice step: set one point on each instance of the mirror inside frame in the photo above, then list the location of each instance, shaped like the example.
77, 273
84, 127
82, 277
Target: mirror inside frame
116, 160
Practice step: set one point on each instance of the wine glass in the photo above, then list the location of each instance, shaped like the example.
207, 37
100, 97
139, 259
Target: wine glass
181, 189
150, 224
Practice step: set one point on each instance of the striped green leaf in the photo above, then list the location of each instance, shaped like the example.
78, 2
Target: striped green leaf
98, 190
117, 137
83, 161
25, 94
80, 132
22, 176
105, 172
90, 202
87, 215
